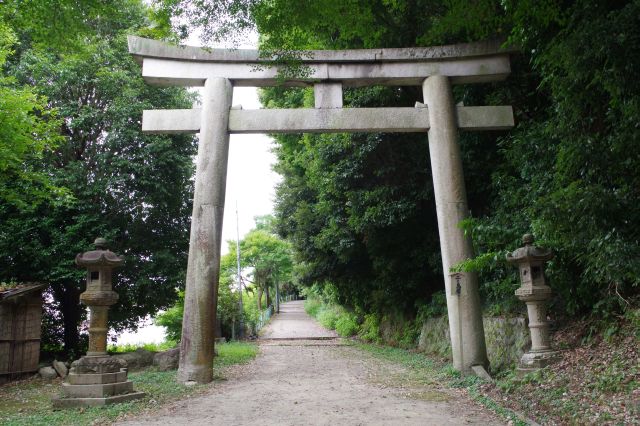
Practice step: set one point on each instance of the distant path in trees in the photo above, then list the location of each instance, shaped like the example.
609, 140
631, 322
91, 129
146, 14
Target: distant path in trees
320, 380
294, 323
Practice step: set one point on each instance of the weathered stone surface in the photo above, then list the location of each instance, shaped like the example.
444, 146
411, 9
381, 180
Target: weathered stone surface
196, 345
168, 72
141, 47
60, 368
48, 373
139, 358
435, 69
167, 360
481, 372
98, 364
506, 338
534, 291
327, 120
94, 379
463, 301
327, 95
62, 403
480, 62
96, 390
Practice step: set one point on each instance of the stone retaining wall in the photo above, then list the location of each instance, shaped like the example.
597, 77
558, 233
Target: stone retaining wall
507, 339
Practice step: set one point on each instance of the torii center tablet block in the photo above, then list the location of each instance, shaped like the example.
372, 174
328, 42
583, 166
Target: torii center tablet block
435, 69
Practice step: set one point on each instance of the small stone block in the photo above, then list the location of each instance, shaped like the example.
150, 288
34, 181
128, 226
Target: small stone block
62, 403
532, 361
479, 371
97, 390
95, 379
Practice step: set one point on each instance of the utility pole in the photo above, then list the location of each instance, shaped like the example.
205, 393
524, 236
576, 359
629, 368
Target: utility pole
239, 277
277, 293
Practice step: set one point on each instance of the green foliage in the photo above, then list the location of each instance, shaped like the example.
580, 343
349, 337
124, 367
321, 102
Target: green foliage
152, 347
370, 329
232, 353
268, 261
268, 257
312, 307
347, 325
436, 307
28, 130
327, 316
130, 188
332, 316
171, 319
358, 209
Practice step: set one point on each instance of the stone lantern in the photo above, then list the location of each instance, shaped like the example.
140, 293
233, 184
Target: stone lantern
97, 378
534, 291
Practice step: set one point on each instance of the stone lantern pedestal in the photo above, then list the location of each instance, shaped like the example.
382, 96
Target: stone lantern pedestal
534, 291
97, 379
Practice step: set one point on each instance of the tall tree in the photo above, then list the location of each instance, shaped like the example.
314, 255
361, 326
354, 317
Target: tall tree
28, 129
269, 258
131, 188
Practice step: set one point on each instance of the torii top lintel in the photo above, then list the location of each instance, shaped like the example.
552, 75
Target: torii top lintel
169, 65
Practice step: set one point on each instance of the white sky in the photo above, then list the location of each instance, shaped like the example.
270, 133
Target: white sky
250, 180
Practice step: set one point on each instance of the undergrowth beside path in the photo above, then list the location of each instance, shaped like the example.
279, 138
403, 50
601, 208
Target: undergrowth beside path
28, 402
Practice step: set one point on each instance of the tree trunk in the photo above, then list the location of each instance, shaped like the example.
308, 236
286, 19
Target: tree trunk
259, 299
268, 298
68, 295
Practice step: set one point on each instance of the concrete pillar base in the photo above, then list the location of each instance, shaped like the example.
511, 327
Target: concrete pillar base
96, 381
534, 360
62, 403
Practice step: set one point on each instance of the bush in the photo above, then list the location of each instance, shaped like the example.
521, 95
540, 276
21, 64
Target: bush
328, 317
370, 328
312, 307
347, 325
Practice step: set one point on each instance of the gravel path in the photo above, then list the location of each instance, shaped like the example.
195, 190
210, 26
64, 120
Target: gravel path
294, 323
319, 381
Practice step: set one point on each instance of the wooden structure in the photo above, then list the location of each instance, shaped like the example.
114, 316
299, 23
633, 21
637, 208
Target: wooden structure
20, 322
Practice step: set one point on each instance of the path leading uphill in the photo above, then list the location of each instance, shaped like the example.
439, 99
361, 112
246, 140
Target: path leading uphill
305, 375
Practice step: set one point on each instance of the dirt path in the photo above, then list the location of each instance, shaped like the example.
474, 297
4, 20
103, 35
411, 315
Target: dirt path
297, 381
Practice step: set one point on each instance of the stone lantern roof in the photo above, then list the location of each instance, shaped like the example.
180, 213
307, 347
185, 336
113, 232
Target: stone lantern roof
99, 257
529, 252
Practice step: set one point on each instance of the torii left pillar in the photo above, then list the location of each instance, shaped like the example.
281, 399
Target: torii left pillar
201, 293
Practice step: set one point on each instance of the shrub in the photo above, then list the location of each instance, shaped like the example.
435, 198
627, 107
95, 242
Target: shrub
347, 325
370, 328
328, 317
312, 307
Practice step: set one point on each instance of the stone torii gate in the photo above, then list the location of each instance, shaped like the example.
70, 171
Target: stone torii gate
219, 70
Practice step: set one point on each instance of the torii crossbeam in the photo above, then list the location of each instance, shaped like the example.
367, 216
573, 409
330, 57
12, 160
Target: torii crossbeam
218, 70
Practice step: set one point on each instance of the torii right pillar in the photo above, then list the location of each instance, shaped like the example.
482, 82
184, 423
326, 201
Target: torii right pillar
463, 301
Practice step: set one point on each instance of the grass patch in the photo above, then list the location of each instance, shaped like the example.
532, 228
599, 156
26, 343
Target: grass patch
312, 306
28, 402
152, 347
232, 353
